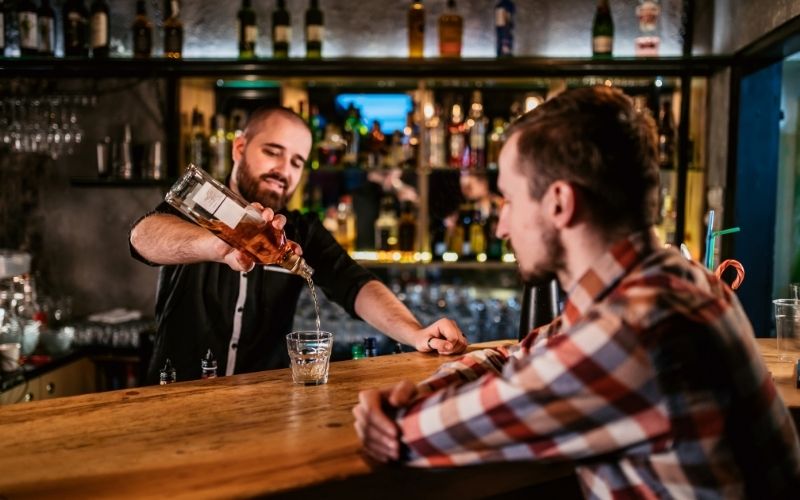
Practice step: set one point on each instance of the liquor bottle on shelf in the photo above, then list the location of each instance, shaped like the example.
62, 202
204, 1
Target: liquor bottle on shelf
438, 239
99, 29
648, 41
666, 137
315, 30
354, 129
457, 141
477, 233
407, 228
494, 245
47, 29
213, 206
142, 32
346, 223
387, 226
436, 137
219, 149
76, 25
410, 141
248, 30
28, 28
197, 144
451, 28
173, 32
477, 132
416, 29
504, 27
376, 145
602, 31
317, 125
495, 143
281, 31
2, 29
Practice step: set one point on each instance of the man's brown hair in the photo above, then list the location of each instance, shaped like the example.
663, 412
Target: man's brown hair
594, 139
258, 116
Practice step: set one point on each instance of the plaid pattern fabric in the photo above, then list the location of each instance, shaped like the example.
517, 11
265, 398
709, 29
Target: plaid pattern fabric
650, 382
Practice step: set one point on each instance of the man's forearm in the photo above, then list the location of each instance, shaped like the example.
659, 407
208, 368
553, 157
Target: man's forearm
167, 239
379, 307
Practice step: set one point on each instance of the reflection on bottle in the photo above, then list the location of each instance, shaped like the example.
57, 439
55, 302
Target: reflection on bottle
208, 366
167, 375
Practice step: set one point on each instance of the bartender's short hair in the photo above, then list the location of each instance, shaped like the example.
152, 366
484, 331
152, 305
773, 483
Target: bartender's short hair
260, 114
595, 139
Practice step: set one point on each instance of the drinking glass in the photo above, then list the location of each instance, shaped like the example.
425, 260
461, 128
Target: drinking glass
787, 326
309, 354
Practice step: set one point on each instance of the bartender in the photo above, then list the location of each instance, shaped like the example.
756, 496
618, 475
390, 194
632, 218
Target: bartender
212, 296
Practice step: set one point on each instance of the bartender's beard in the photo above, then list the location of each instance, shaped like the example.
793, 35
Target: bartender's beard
250, 187
553, 261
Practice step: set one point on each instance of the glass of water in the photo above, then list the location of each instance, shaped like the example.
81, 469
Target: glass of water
310, 355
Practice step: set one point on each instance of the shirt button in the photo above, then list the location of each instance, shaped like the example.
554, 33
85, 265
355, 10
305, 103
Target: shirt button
239, 309
234, 345
244, 275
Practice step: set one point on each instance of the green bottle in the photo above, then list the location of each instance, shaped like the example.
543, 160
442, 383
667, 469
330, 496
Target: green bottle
248, 31
281, 31
602, 31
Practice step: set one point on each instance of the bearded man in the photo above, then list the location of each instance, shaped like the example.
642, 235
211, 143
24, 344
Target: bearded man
212, 296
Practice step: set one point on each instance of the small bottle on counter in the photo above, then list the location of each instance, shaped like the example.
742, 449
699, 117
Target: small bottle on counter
208, 366
357, 350
370, 347
167, 374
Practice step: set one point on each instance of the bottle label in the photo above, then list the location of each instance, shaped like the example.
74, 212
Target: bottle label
99, 30
315, 33
602, 44
648, 12
27, 31
223, 208
46, 30
282, 34
501, 17
250, 34
173, 40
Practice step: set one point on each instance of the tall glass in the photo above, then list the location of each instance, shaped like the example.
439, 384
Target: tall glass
787, 326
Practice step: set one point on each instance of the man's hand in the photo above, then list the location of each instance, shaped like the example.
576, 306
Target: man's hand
241, 261
443, 336
378, 433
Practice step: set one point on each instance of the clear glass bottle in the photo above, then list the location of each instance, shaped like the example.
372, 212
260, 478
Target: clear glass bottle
315, 30
416, 29
167, 375
451, 27
248, 30
226, 214
602, 30
208, 366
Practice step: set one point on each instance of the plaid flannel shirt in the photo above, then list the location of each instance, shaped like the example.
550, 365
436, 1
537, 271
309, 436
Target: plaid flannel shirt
650, 382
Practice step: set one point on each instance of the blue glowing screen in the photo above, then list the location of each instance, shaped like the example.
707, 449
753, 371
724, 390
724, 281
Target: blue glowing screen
389, 109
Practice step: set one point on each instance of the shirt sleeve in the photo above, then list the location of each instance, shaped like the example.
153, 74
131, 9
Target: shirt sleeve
335, 272
582, 393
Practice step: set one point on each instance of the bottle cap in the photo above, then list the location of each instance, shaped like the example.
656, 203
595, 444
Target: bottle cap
297, 265
208, 361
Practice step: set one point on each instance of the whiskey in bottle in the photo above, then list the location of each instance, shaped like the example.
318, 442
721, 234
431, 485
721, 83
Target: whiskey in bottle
213, 206
28, 28
99, 29
315, 31
281, 31
47, 29
75, 19
248, 31
602, 31
451, 27
416, 29
142, 32
504, 27
173, 32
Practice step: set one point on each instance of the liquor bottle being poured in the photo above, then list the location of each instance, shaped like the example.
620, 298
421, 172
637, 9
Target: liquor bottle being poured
213, 206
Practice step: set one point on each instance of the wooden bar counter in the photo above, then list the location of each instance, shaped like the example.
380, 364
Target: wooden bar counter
241, 436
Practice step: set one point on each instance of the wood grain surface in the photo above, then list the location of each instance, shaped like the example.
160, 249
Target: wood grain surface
241, 436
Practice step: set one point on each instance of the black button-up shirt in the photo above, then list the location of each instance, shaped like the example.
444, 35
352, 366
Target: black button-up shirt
241, 317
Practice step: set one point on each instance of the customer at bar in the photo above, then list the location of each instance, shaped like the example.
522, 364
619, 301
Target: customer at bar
211, 296
650, 382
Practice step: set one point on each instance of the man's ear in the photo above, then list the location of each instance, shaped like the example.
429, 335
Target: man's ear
562, 205
238, 148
